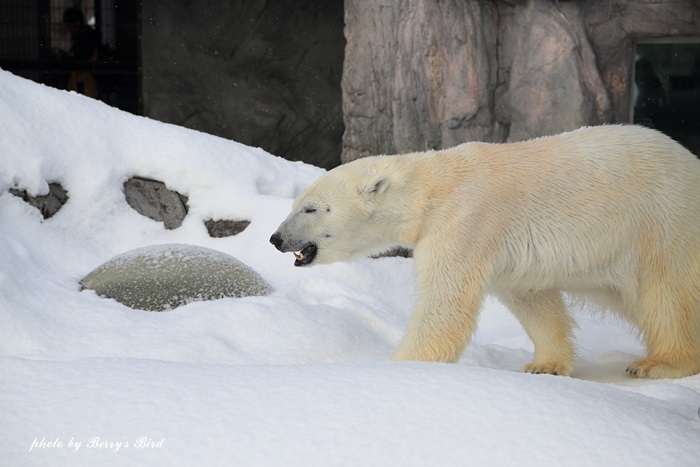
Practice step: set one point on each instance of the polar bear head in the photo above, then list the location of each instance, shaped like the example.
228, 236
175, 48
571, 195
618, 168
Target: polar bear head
349, 212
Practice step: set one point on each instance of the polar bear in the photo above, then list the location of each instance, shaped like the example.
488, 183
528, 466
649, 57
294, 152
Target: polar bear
609, 213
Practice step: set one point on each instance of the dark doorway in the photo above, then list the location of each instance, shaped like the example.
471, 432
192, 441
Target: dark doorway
667, 89
87, 46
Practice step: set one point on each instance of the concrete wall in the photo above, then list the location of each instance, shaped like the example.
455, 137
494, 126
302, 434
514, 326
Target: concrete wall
264, 73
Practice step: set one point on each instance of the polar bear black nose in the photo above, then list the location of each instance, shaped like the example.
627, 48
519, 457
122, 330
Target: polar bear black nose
276, 240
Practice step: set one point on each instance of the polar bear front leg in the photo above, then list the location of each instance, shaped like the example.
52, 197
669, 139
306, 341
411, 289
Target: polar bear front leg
439, 331
445, 316
547, 323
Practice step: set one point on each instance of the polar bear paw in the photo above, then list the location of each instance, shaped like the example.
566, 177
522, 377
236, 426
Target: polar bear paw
560, 369
648, 368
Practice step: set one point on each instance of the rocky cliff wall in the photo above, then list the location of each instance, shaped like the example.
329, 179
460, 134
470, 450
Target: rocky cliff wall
423, 74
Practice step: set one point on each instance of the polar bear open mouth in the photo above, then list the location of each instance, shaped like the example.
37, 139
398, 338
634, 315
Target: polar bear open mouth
306, 255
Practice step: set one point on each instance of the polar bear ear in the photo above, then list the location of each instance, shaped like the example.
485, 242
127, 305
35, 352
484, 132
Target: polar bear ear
374, 185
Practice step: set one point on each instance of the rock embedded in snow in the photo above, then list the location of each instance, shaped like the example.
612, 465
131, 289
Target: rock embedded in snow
163, 277
152, 199
48, 204
225, 228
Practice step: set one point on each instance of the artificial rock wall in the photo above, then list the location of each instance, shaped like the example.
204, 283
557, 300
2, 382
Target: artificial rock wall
425, 74
265, 73
416, 74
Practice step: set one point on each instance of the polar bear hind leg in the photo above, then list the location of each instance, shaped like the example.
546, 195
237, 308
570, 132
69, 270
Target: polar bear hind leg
667, 317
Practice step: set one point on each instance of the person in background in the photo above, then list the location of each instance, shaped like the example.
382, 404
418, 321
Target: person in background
651, 95
85, 44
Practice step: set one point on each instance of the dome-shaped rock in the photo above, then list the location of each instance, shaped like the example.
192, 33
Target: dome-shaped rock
162, 277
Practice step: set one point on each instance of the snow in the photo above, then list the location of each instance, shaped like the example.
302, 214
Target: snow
299, 377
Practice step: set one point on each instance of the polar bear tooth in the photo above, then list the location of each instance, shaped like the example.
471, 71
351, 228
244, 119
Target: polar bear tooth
298, 256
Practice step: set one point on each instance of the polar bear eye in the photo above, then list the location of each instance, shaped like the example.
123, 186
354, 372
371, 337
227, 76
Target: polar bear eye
309, 210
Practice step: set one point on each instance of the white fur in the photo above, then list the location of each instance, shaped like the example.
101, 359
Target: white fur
611, 213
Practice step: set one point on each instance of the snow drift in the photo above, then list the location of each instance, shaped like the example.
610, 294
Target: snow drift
299, 377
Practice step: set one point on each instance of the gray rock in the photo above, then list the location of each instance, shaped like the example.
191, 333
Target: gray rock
152, 199
225, 228
48, 204
163, 277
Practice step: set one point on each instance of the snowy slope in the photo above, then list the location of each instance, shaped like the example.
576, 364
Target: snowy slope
299, 377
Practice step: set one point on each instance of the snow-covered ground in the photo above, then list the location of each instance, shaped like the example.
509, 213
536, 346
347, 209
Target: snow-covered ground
299, 377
